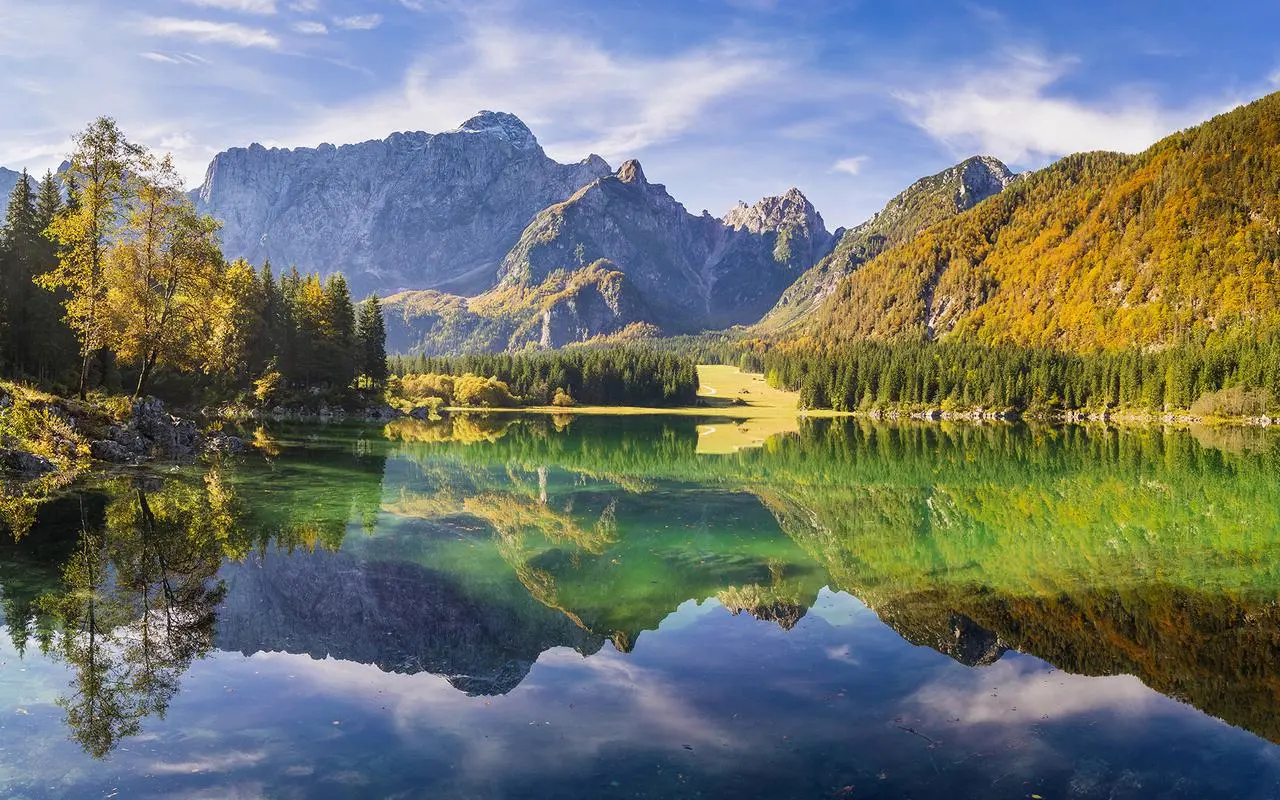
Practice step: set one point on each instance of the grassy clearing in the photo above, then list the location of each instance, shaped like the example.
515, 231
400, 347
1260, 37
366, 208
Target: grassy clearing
746, 410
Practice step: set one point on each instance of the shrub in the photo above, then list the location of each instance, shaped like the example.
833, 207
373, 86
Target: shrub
472, 390
419, 387
1237, 401
562, 399
267, 388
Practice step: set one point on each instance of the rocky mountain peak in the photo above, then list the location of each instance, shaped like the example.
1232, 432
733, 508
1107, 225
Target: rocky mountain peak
504, 125
415, 210
630, 172
929, 200
791, 209
980, 178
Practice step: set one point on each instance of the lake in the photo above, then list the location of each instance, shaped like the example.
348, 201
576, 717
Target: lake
558, 607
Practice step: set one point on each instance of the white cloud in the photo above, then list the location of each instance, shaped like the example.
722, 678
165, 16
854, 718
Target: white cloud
1018, 692
1011, 111
241, 6
310, 28
174, 58
154, 97
179, 140
574, 93
850, 166
228, 33
361, 22
304, 6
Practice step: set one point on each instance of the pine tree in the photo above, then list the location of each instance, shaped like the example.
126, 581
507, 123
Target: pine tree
17, 260
270, 340
340, 334
53, 345
371, 333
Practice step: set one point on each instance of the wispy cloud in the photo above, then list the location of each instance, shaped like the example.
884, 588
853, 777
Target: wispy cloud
304, 6
310, 28
360, 22
591, 99
1011, 110
240, 6
850, 166
199, 30
174, 58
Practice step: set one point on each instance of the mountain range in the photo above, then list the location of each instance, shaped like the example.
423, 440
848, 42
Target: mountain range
481, 242
416, 210
486, 243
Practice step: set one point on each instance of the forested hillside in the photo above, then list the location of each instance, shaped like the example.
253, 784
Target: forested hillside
1098, 251
926, 202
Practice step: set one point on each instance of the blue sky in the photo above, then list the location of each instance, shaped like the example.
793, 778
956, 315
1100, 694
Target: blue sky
722, 100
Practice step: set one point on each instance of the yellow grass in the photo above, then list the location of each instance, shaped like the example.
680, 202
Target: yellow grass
764, 411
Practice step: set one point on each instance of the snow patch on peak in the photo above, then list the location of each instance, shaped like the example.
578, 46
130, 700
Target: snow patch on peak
502, 124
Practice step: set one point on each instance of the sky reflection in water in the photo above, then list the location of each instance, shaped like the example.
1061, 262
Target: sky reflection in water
489, 628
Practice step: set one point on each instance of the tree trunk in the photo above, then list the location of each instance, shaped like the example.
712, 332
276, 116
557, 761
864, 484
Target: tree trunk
147, 366
84, 375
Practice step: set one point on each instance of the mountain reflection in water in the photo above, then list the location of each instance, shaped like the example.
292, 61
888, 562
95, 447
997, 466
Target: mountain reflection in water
558, 607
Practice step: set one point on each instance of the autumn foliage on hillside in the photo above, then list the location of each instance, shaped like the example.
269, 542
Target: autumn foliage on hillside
1098, 251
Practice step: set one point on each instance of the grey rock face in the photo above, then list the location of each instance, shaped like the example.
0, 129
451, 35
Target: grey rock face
415, 210
113, 452
165, 434
691, 272
925, 202
980, 177
8, 180
598, 308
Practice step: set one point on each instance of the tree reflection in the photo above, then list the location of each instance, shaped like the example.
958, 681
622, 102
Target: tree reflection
137, 605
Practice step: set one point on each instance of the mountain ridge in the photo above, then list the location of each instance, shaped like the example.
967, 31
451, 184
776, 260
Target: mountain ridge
1096, 251
926, 201
413, 210
621, 256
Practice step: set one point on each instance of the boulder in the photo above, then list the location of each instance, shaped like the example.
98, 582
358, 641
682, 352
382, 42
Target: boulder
382, 413
166, 434
220, 442
111, 451
25, 463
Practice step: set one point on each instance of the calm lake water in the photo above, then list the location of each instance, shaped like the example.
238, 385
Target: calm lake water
549, 607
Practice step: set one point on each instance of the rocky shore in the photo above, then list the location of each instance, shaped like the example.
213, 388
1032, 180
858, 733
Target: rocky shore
1120, 417
42, 435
